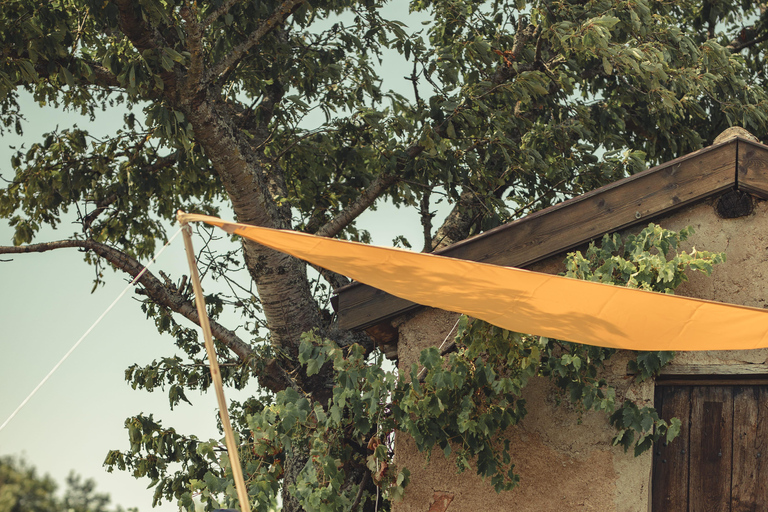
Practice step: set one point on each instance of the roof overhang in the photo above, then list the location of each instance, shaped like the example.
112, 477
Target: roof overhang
736, 164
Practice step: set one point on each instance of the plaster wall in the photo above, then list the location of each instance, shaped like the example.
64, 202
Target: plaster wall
565, 458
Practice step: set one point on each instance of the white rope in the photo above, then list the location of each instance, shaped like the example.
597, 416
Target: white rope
440, 348
134, 281
423, 370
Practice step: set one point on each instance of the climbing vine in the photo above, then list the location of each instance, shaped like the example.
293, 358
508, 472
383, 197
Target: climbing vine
457, 400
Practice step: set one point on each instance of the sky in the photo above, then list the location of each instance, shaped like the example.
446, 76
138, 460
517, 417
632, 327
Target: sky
46, 305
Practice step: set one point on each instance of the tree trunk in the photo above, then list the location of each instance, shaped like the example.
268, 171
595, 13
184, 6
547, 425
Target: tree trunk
458, 223
253, 184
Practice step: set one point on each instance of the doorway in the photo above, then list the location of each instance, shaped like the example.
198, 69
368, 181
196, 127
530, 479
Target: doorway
716, 463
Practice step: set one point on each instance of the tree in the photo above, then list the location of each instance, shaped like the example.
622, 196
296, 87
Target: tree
23, 490
510, 107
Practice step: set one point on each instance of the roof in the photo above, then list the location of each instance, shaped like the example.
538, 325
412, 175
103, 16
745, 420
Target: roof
736, 164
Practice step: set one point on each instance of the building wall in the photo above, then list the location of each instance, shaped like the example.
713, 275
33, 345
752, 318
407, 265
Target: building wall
565, 458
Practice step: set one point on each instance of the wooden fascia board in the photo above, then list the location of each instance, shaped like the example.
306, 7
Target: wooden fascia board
752, 175
548, 232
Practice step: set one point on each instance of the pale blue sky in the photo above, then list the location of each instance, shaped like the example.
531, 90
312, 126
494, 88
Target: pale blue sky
47, 305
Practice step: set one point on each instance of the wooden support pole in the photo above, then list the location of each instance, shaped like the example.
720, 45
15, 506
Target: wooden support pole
229, 435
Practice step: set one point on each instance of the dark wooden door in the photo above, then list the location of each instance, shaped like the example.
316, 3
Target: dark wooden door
716, 464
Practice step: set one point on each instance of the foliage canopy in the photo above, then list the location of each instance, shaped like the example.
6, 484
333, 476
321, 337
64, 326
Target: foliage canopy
276, 112
23, 490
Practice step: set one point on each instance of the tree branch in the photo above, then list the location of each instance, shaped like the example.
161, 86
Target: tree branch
351, 212
336, 280
226, 6
194, 41
144, 37
522, 36
276, 19
741, 41
359, 496
366, 199
138, 31
101, 76
503, 74
153, 287
101, 206
273, 95
458, 223
426, 219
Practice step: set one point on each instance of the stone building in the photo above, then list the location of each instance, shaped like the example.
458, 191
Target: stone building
566, 461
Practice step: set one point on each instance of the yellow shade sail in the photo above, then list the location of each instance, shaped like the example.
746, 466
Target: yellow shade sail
524, 301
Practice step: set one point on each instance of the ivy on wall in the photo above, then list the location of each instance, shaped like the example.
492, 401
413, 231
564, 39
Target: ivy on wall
458, 400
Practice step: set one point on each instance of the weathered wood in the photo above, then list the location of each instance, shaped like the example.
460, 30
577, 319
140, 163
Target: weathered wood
386, 337
627, 202
710, 449
761, 449
362, 306
683, 380
749, 431
715, 369
670, 461
616, 206
753, 168
717, 461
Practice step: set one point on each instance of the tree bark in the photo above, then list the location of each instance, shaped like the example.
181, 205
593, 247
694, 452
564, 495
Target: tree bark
254, 186
458, 223
153, 287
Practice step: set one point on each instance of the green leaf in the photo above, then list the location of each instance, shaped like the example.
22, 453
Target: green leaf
646, 422
644, 444
673, 430
313, 366
430, 358
606, 21
69, 79
336, 414
607, 66
212, 482
27, 70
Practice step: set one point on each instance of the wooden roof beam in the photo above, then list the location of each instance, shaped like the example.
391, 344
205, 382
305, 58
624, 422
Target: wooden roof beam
734, 163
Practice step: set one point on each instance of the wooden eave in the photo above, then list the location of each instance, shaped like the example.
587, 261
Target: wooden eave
737, 164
